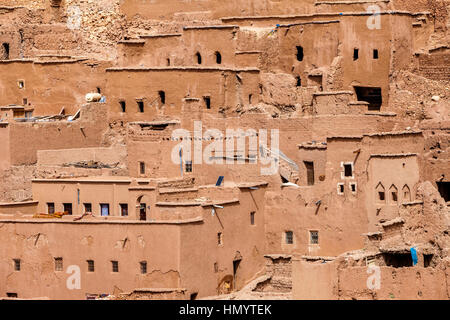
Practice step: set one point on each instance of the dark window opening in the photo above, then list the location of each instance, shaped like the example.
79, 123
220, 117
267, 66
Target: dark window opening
355, 54
283, 179
375, 53
316, 81
199, 57
219, 238
309, 172
124, 209
341, 188
59, 264
216, 267
5, 51
381, 195
143, 265
252, 218
16, 264
50, 207
24, 101
348, 171
207, 101
394, 196
140, 106
371, 95
193, 296
99, 90
299, 53
115, 266
218, 57
188, 166
353, 187
168, 62
104, 209
143, 211
314, 237
122, 106
289, 237
88, 207
142, 167
398, 260
162, 97
21, 84
11, 295
91, 265
68, 208
444, 190
427, 260
250, 98
299, 81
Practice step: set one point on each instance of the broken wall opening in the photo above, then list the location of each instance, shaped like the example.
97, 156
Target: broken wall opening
4, 54
371, 95
444, 190
398, 260
316, 81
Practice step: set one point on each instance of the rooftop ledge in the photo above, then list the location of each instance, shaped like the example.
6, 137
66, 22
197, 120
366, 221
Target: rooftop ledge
329, 93
167, 35
126, 222
318, 3
192, 68
211, 27
325, 14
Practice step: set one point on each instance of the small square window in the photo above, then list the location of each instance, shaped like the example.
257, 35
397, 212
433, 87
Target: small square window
143, 265
314, 237
355, 54
348, 170
115, 266
142, 167
91, 265
123, 106
381, 196
340, 188
124, 209
289, 237
104, 209
11, 295
252, 218
140, 104
375, 53
59, 264
68, 208
16, 264
21, 84
353, 187
50, 207
88, 207
188, 166
394, 196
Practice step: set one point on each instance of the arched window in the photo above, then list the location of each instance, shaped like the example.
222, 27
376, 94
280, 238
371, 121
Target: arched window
406, 193
218, 57
198, 57
393, 194
380, 193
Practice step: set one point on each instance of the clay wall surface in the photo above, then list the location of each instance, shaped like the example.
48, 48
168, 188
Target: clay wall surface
38, 243
50, 86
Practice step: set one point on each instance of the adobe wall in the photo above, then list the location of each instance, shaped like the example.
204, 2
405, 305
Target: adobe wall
240, 240
27, 138
214, 8
50, 86
38, 243
66, 156
351, 282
